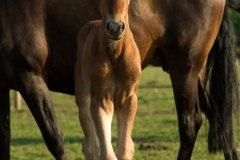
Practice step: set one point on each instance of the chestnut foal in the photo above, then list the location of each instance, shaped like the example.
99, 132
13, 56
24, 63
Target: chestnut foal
107, 73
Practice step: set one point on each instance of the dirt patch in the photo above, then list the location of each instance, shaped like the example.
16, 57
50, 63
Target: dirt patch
152, 147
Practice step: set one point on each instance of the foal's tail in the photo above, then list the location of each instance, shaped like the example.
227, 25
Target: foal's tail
222, 80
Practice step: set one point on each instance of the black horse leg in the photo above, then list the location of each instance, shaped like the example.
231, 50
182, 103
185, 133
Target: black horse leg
4, 124
35, 92
229, 154
184, 83
189, 122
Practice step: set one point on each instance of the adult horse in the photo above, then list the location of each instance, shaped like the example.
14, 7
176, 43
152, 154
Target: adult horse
38, 47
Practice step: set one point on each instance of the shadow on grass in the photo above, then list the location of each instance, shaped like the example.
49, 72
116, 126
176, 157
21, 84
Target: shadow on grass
26, 141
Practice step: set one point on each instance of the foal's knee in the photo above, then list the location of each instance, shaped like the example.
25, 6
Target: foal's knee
91, 149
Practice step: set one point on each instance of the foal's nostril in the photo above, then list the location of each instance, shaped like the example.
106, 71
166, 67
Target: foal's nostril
107, 26
123, 27
115, 29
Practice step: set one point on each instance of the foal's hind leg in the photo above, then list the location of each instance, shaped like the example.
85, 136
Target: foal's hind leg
4, 125
204, 104
35, 92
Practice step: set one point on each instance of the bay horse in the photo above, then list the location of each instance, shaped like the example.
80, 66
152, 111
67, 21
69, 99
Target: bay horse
107, 73
192, 40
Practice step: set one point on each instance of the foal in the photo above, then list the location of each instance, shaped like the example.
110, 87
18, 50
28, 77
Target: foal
107, 72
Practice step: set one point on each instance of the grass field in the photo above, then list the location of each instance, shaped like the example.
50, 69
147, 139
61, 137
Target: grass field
155, 131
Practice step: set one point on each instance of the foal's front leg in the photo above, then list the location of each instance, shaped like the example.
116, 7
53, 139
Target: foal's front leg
90, 146
126, 107
102, 111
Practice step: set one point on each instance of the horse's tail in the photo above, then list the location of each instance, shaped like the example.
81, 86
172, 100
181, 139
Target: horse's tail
222, 81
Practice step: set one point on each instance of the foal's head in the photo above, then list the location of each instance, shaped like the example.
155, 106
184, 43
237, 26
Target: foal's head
115, 15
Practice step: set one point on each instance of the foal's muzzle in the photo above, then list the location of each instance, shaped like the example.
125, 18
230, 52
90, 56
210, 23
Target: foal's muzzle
115, 30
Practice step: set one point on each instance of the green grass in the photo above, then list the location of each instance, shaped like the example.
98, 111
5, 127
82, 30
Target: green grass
155, 131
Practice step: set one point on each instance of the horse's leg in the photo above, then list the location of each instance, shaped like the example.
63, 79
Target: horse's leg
35, 92
4, 124
102, 111
90, 146
184, 79
203, 98
189, 114
125, 110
